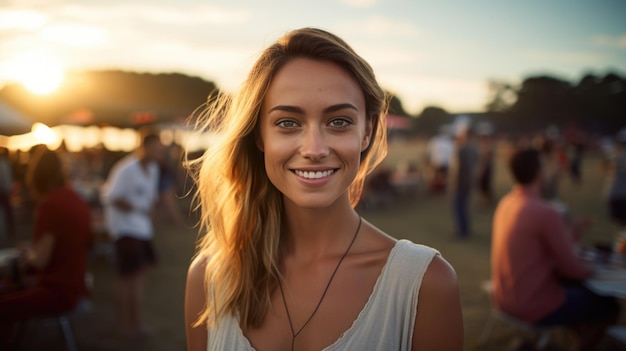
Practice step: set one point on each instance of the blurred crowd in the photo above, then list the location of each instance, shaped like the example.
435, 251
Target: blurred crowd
86, 171
458, 162
463, 153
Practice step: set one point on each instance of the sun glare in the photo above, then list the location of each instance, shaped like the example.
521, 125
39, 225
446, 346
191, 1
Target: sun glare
44, 134
39, 71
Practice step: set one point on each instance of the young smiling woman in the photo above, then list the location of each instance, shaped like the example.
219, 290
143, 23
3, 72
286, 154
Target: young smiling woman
286, 263
312, 132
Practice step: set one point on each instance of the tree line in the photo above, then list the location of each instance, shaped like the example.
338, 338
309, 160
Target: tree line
113, 97
596, 103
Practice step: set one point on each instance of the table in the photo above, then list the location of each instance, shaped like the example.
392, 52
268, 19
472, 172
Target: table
6, 255
609, 280
7, 269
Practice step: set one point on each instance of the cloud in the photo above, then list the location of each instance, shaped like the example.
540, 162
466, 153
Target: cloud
362, 4
380, 27
389, 57
91, 24
618, 41
549, 58
21, 19
418, 91
129, 29
138, 36
170, 14
75, 34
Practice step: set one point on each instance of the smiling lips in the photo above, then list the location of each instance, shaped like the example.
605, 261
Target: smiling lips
314, 174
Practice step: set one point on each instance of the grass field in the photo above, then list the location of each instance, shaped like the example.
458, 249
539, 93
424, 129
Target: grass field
424, 219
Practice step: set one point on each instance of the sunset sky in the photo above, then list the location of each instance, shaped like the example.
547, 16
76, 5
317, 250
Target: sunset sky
438, 52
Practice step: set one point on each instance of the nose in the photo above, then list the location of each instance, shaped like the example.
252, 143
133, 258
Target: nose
314, 145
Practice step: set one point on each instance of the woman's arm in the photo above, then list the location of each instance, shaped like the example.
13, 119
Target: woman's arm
195, 301
439, 321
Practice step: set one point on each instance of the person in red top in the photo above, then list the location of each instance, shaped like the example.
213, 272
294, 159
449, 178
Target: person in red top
536, 274
58, 254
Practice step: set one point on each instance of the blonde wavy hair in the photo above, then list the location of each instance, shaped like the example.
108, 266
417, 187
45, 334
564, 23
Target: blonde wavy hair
241, 211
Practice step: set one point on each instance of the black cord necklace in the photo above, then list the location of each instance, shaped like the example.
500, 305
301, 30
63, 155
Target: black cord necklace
294, 334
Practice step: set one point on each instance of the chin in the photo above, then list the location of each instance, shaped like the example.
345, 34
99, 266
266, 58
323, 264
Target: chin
313, 202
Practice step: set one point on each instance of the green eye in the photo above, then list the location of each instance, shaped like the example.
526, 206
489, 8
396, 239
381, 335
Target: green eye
340, 123
287, 124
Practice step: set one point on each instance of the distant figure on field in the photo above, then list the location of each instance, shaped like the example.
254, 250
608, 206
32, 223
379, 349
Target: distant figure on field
550, 169
440, 153
617, 189
464, 176
168, 187
129, 195
486, 155
575, 138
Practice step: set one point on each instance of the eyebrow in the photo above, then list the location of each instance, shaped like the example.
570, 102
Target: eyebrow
296, 109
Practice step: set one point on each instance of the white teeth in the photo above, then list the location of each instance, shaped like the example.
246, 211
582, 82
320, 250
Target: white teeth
314, 175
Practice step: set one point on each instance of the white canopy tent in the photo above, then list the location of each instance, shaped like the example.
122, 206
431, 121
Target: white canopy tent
13, 122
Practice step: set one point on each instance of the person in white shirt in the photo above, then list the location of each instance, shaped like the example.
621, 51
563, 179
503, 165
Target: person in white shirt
440, 152
129, 196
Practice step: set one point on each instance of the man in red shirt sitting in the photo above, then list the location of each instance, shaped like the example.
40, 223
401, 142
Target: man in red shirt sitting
536, 274
58, 254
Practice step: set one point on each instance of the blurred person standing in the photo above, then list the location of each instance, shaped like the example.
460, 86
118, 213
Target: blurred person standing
550, 169
51, 272
534, 269
575, 138
168, 186
440, 153
617, 188
485, 162
464, 175
129, 196
7, 219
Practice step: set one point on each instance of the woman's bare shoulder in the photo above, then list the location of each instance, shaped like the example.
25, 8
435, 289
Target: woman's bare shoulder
195, 302
440, 275
439, 320
197, 268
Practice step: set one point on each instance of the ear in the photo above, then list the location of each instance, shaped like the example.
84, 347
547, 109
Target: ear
365, 143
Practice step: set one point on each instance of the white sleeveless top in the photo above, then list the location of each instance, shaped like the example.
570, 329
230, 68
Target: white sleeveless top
387, 319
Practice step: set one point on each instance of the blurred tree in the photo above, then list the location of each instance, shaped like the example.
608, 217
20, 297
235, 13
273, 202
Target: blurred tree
597, 104
602, 102
429, 121
502, 96
542, 100
114, 97
395, 106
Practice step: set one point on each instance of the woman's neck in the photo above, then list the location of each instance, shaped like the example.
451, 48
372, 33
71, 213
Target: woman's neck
313, 233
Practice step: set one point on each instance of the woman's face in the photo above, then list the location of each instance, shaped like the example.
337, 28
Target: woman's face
312, 132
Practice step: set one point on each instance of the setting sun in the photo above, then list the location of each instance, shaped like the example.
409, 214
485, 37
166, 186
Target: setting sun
40, 71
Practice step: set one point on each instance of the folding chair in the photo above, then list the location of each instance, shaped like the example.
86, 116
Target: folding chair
83, 306
618, 333
543, 334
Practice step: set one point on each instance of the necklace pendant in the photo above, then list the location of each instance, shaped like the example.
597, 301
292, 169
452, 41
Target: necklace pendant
294, 334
